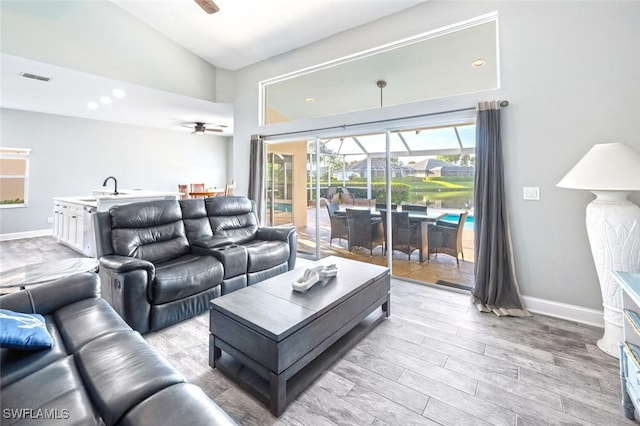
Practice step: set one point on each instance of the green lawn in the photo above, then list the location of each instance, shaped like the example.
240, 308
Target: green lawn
451, 192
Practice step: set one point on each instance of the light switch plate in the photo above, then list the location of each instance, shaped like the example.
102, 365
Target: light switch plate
531, 193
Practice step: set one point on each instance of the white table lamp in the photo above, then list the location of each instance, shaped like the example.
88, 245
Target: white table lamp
611, 171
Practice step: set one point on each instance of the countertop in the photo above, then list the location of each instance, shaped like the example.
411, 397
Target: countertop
103, 198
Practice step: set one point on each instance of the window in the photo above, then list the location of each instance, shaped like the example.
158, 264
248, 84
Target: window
454, 60
14, 177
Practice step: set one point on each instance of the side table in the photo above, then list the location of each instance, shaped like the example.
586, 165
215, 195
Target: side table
38, 273
630, 345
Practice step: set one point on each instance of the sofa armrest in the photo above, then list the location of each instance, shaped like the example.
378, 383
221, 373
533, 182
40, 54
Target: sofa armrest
215, 241
121, 264
126, 284
270, 233
279, 233
48, 298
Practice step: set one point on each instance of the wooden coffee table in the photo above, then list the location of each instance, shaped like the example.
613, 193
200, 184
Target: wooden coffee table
274, 342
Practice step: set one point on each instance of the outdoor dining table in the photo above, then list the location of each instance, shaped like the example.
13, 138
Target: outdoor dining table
424, 218
428, 216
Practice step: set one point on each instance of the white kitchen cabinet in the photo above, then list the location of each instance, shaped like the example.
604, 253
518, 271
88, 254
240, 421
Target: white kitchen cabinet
72, 216
68, 223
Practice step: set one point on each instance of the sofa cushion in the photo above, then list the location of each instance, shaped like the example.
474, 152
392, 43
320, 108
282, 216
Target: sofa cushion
232, 217
23, 331
155, 244
145, 214
196, 222
266, 254
120, 370
17, 363
86, 320
189, 401
172, 312
152, 231
55, 390
46, 299
183, 277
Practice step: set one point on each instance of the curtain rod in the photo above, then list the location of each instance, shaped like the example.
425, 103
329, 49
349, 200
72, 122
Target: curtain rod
503, 104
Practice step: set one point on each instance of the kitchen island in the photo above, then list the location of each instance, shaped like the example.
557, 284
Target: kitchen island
72, 222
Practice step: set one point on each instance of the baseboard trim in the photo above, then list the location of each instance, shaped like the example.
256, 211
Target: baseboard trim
28, 234
564, 311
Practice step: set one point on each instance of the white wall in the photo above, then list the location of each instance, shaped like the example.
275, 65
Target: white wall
569, 70
72, 156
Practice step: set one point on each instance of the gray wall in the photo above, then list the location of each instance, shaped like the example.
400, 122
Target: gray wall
569, 70
72, 156
98, 37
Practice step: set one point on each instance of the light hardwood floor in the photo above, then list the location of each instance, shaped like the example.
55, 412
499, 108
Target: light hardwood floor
435, 360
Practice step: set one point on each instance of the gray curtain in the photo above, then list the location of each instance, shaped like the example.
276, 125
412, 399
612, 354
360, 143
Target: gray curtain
257, 175
496, 289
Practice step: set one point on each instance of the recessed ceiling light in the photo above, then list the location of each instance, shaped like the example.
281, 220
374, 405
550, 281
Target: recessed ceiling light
105, 100
309, 100
478, 63
118, 93
92, 105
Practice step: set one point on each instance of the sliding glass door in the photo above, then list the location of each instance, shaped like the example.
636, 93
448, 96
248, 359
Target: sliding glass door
376, 197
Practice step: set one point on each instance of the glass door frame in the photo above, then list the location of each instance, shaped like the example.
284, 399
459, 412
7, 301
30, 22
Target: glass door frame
451, 118
271, 200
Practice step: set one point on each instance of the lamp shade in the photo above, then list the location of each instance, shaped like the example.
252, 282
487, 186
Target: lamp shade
606, 167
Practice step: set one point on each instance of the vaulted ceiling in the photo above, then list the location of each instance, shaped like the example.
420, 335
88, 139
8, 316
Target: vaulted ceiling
243, 32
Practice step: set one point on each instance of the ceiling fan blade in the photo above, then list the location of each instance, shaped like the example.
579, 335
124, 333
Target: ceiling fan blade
208, 6
212, 130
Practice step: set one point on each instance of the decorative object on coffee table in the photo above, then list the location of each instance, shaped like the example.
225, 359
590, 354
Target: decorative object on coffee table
611, 171
314, 275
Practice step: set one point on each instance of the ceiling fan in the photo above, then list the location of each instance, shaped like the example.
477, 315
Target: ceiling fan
208, 6
199, 127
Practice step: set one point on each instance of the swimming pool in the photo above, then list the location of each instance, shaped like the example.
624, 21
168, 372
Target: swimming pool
454, 218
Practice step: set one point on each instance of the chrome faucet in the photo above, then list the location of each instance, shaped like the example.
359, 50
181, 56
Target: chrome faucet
115, 184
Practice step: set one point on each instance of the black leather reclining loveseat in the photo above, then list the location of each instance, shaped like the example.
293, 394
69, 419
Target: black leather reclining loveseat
162, 261
98, 371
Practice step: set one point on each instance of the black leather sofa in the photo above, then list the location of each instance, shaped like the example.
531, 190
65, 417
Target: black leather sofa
162, 261
98, 370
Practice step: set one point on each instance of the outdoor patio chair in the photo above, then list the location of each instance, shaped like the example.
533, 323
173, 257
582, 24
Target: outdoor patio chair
364, 230
343, 196
339, 227
405, 235
446, 238
331, 192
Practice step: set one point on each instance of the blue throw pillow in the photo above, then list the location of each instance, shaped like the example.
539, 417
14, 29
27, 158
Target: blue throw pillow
23, 331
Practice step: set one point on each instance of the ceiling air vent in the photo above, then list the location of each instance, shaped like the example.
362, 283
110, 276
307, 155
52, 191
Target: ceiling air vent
34, 76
